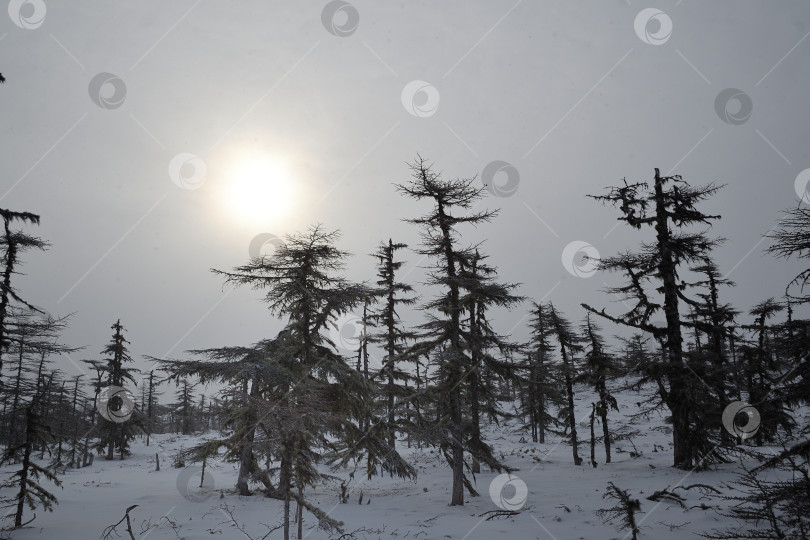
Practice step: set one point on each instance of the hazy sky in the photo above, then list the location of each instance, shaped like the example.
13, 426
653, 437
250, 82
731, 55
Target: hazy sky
148, 134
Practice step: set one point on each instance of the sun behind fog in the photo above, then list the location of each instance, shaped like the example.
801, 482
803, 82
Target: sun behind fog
258, 189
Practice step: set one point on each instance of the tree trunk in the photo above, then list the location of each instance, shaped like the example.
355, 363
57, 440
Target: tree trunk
678, 398
246, 453
572, 419
26, 464
603, 410
455, 371
10, 258
593, 436
285, 484
299, 515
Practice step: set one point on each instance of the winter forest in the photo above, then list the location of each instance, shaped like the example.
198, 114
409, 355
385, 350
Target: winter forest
396, 360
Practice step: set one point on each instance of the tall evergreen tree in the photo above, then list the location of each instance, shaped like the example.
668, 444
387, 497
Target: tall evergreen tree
654, 284
599, 366
150, 389
301, 285
26, 480
570, 344
544, 378
116, 435
14, 243
716, 321
184, 409
392, 337
442, 335
763, 373
487, 348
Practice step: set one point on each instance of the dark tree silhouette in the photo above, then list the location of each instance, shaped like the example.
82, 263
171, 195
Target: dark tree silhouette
570, 343
669, 207
26, 478
442, 334
116, 435
599, 366
14, 242
392, 336
544, 378
481, 293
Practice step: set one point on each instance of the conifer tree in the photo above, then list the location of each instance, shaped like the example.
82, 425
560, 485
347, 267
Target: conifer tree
14, 243
599, 366
544, 378
570, 344
26, 480
183, 409
654, 285
763, 373
487, 349
116, 435
442, 334
150, 389
716, 321
392, 337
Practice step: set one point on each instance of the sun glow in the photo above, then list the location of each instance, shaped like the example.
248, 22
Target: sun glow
259, 189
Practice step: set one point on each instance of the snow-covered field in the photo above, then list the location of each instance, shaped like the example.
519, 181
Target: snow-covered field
561, 501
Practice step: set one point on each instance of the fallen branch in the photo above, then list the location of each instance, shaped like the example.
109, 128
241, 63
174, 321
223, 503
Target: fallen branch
107, 533
496, 514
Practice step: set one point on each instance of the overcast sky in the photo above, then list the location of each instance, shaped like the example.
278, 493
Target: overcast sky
146, 135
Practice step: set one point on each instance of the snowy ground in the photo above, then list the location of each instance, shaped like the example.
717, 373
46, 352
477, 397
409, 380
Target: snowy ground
560, 504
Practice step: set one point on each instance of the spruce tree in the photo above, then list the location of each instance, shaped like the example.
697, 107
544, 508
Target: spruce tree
392, 337
26, 480
116, 435
543, 381
763, 372
599, 367
487, 348
442, 336
716, 320
570, 344
183, 409
314, 392
14, 243
654, 285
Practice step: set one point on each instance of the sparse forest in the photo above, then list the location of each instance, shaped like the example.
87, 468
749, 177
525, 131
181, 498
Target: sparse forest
297, 414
